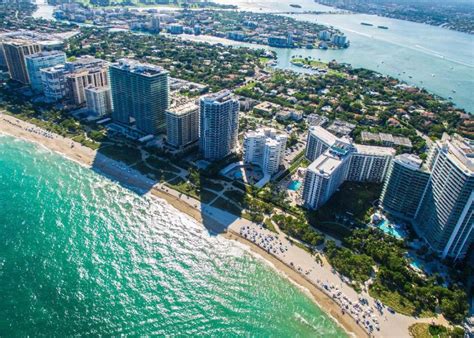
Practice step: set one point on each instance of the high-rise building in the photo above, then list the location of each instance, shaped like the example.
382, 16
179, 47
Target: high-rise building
182, 125
15, 52
336, 160
79, 80
404, 186
38, 61
71, 79
98, 100
54, 83
445, 217
325, 174
438, 198
140, 91
219, 125
369, 163
265, 147
319, 140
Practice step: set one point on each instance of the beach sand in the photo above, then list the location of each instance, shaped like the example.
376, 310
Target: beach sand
217, 221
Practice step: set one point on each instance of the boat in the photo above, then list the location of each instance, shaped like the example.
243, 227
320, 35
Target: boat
382, 27
295, 6
366, 24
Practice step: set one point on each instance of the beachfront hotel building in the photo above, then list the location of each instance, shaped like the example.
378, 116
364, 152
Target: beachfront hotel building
219, 125
36, 62
182, 125
335, 160
265, 147
98, 100
444, 215
140, 93
15, 52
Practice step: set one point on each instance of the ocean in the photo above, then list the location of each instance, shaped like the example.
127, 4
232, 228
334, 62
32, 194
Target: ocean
82, 255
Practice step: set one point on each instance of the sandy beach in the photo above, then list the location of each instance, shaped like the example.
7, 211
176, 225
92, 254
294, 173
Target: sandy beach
295, 263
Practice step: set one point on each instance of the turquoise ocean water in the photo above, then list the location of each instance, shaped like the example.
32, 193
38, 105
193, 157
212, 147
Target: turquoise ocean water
79, 254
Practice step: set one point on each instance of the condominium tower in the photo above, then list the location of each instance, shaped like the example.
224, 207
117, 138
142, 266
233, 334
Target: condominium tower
140, 92
182, 125
36, 62
15, 52
335, 160
444, 214
404, 186
53, 82
98, 100
219, 125
265, 147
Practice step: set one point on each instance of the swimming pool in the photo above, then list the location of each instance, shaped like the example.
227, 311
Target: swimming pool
416, 265
294, 185
392, 229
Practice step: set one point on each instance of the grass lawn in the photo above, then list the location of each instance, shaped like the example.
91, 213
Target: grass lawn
207, 196
183, 187
208, 184
224, 204
313, 63
144, 169
122, 153
269, 225
425, 330
235, 195
397, 302
160, 164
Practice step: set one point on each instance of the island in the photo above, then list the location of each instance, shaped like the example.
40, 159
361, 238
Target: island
455, 15
257, 28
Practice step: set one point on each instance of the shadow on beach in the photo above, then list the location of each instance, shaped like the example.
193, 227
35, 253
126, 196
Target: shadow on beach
214, 201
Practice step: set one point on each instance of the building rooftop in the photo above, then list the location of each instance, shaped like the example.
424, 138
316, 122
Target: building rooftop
324, 135
44, 54
325, 164
460, 151
54, 69
221, 97
97, 89
410, 161
136, 67
183, 109
374, 150
268, 133
18, 42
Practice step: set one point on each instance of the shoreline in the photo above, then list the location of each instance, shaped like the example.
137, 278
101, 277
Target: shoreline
323, 301
81, 156
221, 223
